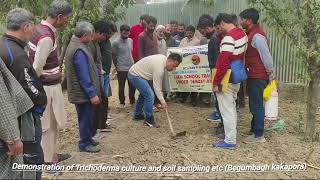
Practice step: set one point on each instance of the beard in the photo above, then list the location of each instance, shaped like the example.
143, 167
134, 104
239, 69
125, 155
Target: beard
244, 26
150, 30
208, 35
181, 34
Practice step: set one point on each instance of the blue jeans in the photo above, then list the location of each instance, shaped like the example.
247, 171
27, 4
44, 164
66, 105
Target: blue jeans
106, 85
146, 96
255, 92
86, 113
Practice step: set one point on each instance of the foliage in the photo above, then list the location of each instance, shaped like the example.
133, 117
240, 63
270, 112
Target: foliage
209, 3
38, 7
90, 10
300, 21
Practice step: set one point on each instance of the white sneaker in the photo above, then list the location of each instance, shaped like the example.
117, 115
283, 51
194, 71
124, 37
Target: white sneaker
109, 117
98, 136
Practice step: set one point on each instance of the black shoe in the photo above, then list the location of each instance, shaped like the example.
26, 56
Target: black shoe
151, 123
138, 118
90, 149
62, 157
107, 128
94, 142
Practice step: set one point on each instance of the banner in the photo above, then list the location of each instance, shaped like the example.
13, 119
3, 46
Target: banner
193, 74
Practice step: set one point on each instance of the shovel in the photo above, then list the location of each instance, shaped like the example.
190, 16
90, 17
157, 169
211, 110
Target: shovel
173, 134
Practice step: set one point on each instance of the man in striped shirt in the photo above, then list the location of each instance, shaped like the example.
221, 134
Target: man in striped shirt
233, 47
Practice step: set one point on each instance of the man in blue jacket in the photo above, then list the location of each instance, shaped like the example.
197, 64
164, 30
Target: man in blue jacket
83, 84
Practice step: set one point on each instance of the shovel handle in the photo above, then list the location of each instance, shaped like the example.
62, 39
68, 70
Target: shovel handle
169, 121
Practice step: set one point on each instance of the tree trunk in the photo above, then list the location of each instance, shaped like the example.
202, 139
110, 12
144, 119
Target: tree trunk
312, 125
311, 35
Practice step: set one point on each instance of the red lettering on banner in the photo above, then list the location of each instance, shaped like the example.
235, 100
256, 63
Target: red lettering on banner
182, 81
192, 76
205, 75
197, 81
178, 77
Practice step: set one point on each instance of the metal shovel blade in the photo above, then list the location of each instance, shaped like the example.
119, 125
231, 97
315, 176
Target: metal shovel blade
180, 134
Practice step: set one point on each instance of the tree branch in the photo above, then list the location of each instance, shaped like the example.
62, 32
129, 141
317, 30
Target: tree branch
67, 41
276, 17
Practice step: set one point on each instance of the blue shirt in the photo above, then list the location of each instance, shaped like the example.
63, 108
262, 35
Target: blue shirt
81, 64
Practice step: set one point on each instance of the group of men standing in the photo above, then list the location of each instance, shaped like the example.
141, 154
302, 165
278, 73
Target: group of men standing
227, 42
248, 44
35, 105
29, 134
31, 118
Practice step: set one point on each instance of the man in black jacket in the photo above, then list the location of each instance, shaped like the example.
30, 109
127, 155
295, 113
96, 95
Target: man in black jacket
12, 51
207, 27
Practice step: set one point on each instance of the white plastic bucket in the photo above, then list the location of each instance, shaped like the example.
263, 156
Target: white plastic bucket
271, 107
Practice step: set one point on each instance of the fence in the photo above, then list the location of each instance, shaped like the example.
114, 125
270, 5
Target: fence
289, 68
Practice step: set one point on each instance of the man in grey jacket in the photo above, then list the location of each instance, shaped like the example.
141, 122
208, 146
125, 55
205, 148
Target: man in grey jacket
20, 23
122, 59
14, 101
83, 84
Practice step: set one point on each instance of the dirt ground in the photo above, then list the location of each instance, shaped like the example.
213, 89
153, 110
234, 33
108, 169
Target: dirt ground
132, 143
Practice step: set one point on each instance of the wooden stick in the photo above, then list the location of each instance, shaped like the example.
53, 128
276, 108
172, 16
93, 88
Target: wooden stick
169, 121
314, 167
185, 156
309, 165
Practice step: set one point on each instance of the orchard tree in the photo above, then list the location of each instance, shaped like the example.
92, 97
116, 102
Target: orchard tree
38, 7
90, 10
209, 3
300, 21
